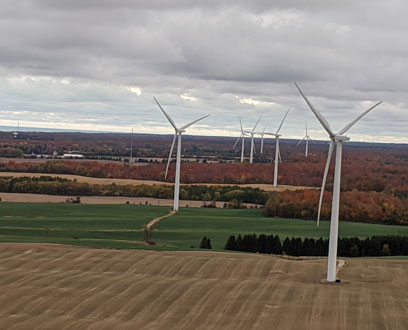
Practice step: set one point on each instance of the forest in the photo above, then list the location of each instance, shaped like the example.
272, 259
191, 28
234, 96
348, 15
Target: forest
374, 176
373, 207
347, 246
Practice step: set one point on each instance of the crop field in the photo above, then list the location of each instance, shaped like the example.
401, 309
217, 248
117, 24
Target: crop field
57, 287
120, 226
110, 226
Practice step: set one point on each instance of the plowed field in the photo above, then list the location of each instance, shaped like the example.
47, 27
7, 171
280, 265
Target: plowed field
55, 287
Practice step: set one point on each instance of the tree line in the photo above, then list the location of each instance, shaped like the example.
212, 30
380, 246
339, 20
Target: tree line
59, 186
358, 206
389, 174
347, 246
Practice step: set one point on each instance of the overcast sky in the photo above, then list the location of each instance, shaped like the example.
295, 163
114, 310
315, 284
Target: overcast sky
96, 64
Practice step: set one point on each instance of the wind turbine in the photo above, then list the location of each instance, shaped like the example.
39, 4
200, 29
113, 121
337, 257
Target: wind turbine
262, 139
339, 138
277, 151
177, 132
307, 139
252, 133
15, 133
131, 148
242, 136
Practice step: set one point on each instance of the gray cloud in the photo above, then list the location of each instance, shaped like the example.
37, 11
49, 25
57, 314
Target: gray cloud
76, 60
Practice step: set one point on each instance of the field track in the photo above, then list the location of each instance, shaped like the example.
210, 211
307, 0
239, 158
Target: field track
265, 187
59, 287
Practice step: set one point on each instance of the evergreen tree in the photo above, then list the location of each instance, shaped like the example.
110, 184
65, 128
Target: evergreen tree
239, 244
253, 243
205, 243
286, 246
262, 244
209, 244
231, 244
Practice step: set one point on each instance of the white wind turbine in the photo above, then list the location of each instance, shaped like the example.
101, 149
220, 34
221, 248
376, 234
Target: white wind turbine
277, 151
242, 136
131, 148
177, 132
252, 133
262, 139
15, 133
339, 138
307, 139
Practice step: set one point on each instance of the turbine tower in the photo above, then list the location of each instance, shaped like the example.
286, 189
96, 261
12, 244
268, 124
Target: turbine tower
177, 132
337, 138
307, 139
277, 151
131, 148
242, 136
262, 139
252, 133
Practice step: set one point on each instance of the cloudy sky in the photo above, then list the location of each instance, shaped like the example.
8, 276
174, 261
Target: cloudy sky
96, 64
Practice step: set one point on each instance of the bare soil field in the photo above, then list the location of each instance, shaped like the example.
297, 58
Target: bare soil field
265, 187
38, 198
59, 287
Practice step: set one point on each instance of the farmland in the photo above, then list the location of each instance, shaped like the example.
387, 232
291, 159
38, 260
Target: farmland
55, 287
120, 226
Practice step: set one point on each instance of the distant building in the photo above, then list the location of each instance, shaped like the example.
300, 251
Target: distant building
15, 135
72, 156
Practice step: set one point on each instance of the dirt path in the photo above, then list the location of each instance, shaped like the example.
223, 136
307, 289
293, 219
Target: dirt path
155, 221
62, 287
340, 264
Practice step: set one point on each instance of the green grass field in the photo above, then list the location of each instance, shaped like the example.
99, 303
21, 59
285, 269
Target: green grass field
119, 226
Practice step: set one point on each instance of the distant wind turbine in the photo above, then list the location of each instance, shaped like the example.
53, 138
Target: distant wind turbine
306, 139
15, 133
177, 132
131, 148
262, 139
339, 138
241, 136
252, 133
277, 151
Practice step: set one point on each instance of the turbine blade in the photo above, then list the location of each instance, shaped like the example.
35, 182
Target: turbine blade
301, 141
348, 126
306, 127
171, 152
236, 142
326, 170
165, 113
318, 115
280, 126
193, 122
240, 122
256, 124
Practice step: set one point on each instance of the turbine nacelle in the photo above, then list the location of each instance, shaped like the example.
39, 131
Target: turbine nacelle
341, 138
